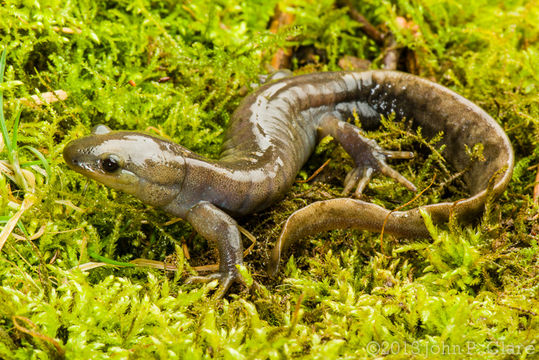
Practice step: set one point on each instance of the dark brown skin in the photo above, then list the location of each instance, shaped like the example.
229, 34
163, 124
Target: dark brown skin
270, 137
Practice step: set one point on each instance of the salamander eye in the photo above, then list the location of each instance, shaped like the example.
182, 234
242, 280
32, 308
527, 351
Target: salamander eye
110, 164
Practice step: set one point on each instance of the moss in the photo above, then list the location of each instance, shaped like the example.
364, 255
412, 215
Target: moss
464, 291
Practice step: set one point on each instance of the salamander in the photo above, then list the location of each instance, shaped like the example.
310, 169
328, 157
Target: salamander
270, 137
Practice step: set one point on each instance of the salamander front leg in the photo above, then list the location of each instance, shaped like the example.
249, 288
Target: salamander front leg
217, 226
368, 156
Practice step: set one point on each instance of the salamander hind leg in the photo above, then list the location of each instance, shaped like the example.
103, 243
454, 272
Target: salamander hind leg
215, 225
368, 156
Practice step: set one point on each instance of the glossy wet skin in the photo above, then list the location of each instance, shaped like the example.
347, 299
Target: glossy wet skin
270, 137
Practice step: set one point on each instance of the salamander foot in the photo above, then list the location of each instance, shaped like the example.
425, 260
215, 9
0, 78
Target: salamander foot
374, 160
368, 156
225, 281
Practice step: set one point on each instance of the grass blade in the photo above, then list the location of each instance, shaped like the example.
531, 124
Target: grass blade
2, 65
16, 129
3, 126
109, 261
6, 231
41, 158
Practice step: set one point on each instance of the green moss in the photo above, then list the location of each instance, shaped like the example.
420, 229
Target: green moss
464, 292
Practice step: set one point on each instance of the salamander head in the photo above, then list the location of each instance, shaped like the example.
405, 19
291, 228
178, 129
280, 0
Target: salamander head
150, 168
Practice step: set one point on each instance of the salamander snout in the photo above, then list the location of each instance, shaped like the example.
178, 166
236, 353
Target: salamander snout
70, 156
79, 157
